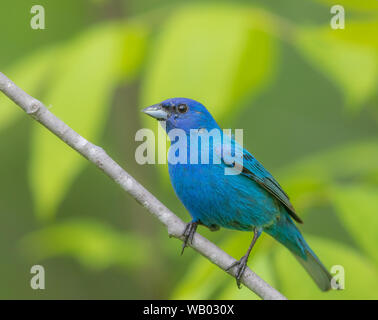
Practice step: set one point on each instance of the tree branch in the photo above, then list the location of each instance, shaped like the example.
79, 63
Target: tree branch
99, 157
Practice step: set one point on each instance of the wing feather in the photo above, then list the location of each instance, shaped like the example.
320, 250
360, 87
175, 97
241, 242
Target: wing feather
255, 170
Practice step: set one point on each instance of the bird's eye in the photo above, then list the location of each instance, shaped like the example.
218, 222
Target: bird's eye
182, 108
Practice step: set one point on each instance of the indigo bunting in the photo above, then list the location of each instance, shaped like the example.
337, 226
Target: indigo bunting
249, 201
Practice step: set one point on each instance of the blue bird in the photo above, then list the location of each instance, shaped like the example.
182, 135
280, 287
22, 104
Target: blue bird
249, 201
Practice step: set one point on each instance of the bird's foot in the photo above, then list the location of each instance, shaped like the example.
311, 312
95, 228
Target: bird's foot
241, 265
190, 230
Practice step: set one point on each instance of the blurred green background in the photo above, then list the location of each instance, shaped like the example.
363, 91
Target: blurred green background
305, 95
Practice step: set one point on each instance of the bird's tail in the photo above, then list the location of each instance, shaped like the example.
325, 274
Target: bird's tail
287, 233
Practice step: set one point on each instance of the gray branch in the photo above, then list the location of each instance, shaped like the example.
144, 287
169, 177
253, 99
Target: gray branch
100, 158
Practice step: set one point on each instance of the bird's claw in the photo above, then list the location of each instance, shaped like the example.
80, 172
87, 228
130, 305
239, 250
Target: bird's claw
190, 230
241, 264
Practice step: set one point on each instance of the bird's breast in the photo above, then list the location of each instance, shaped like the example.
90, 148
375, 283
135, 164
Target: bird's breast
212, 197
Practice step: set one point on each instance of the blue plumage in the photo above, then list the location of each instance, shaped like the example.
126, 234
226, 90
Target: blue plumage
250, 201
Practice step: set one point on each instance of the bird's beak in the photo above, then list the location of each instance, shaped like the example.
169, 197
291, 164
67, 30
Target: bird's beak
156, 111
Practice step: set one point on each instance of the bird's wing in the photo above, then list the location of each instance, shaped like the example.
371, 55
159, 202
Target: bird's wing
253, 169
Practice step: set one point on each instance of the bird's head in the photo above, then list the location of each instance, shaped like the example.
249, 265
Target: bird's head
182, 113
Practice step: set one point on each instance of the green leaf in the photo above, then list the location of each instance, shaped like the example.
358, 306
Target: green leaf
349, 5
93, 244
359, 32
30, 74
361, 276
214, 54
357, 207
309, 180
350, 63
86, 74
201, 281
